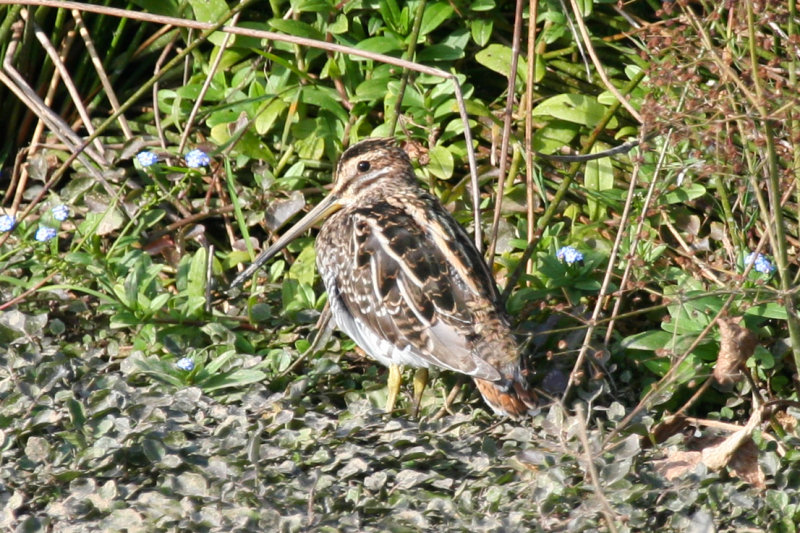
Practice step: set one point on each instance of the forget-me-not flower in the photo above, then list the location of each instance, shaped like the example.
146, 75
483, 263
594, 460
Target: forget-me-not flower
760, 263
61, 213
45, 233
147, 158
569, 255
7, 223
185, 363
197, 158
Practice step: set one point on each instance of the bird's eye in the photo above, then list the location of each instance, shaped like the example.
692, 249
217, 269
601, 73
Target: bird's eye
363, 166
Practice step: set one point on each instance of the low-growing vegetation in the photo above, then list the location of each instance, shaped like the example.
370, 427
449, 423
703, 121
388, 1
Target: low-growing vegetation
631, 169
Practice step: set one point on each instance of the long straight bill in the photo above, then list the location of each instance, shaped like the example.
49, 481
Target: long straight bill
327, 206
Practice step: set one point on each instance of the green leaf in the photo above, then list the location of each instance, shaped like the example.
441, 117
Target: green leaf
158, 369
577, 108
392, 15
237, 378
441, 162
648, 340
626, 131
770, 310
77, 413
194, 305
379, 45
192, 91
221, 134
588, 285
276, 269
598, 177
371, 90
296, 28
304, 267
161, 7
497, 57
650, 253
157, 303
209, 10
308, 296
218, 333
692, 311
295, 296
151, 217
312, 146
777, 499
553, 136
247, 42
763, 358
196, 279
267, 117
80, 258
339, 25
226, 116
540, 69
312, 6
440, 52
326, 99
481, 30
685, 194
123, 319
130, 289
458, 38
434, 16
104, 223
482, 5
219, 361
154, 450
686, 371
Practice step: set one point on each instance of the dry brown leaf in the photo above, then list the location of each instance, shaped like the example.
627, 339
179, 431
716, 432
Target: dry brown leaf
677, 463
787, 422
744, 463
737, 451
736, 345
716, 457
668, 427
416, 150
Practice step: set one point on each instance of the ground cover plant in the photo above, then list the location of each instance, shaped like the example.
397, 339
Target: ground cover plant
634, 167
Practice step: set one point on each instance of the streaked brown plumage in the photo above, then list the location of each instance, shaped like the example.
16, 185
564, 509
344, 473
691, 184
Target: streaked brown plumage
405, 281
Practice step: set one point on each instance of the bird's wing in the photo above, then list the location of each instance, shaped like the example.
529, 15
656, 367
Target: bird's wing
416, 280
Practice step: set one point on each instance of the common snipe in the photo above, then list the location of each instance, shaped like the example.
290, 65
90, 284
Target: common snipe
404, 280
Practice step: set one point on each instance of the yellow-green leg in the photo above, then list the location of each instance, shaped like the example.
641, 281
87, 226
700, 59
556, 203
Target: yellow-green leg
420, 381
393, 384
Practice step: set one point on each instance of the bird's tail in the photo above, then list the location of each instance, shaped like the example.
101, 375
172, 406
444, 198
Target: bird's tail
510, 398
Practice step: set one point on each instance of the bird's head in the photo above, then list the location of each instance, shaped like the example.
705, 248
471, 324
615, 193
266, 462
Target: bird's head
367, 167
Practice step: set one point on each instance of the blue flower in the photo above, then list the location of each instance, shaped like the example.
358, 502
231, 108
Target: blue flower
61, 213
185, 363
45, 233
760, 263
569, 255
7, 223
197, 158
147, 158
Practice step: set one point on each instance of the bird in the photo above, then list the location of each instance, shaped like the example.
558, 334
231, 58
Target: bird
406, 282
